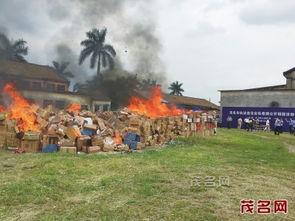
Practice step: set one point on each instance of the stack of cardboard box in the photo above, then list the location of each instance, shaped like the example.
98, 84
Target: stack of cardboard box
103, 131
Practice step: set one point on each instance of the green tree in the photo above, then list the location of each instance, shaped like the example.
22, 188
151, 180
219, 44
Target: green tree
61, 67
14, 51
176, 89
101, 54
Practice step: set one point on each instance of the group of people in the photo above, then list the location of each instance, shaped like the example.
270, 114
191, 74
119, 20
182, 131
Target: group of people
252, 123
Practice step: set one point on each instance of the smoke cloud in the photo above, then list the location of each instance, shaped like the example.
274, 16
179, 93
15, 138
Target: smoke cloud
131, 30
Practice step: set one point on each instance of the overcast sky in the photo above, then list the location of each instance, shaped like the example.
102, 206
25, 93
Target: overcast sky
206, 44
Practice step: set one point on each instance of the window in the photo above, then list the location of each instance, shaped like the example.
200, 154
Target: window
96, 108
61, 87
105, 107
274, 104
60, 104
36, 85
50, 87
84, 107
47, 102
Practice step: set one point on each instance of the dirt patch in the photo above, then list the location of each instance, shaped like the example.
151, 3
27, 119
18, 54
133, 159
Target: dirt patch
290, 147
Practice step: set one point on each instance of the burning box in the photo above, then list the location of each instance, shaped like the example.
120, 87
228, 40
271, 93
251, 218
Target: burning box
30, 146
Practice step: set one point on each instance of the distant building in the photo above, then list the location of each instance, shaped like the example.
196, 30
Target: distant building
263, 102
42, 85
182, 102
190, 103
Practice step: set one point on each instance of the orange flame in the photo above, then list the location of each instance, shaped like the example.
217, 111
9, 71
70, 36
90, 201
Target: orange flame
2, 108
74, 108
21, 110
153, 107
118, 138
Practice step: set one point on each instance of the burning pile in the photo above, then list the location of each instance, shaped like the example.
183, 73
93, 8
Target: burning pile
144, 123
20, 109
153, 107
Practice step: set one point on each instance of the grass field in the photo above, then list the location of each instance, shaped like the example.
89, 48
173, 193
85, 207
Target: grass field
157, 184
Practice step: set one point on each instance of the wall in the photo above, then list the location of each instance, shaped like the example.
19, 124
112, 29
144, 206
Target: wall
69, 98
257, 98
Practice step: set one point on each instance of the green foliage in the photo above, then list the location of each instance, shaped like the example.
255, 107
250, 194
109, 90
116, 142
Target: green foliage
176, 89
101, 54
14, 51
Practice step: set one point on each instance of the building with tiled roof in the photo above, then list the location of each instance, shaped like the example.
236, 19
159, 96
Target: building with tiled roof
41, 84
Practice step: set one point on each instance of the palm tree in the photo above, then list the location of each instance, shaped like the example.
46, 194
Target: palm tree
176, 89
61, 69
13, 50
101, 53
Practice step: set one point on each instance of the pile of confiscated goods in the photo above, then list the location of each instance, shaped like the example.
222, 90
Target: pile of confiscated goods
90, 132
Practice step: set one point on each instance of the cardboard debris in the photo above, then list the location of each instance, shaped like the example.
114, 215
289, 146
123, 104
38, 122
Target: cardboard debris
105, 131
72, 149
73, 132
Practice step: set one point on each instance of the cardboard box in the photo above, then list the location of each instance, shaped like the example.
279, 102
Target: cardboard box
67, 143
101, 124
30, 146
90, 127
64, 149
73, 132
83, 141
2, 142
3, 116
91, 149
12, 140
31, 135
107, 148
97, 141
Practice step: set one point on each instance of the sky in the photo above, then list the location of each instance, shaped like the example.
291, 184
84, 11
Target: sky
207, 45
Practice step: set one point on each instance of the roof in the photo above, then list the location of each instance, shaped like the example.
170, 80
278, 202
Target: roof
179, 100
268, 88
190, 101
32, 71
289, 71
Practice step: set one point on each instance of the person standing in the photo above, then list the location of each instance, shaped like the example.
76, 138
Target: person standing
267, 126
293, 126
277, 127
229, 120
281, 125
257, 123
246, 120
250, 124
240, 122
253, 123
290, 124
